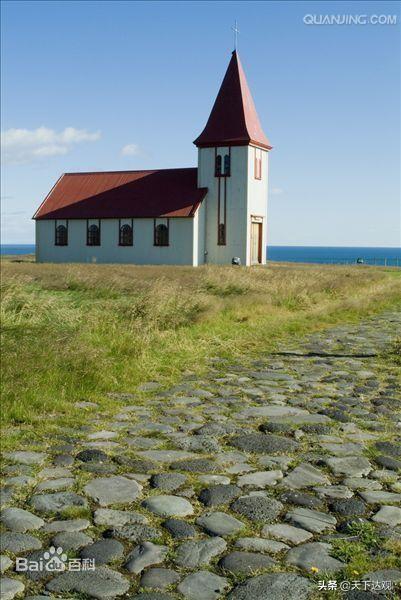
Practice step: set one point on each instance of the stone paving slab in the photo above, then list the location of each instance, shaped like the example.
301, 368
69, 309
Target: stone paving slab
235, 485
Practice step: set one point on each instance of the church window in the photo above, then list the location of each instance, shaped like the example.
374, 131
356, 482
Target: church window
61, 238
222, 234
221, 212
217, 169
126, 235
161, 234
227, 165
93, 235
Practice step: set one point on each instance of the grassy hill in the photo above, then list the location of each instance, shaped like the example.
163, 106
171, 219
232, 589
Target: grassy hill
77, 332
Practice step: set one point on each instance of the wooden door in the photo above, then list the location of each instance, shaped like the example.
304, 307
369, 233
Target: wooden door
256, 243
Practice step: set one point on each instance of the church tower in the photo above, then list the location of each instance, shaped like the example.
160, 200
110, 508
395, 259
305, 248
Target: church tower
233, 165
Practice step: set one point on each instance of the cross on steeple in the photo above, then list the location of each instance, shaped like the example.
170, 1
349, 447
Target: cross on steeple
236, 32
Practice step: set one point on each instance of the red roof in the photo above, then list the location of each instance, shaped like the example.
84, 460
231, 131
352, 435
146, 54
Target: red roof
122, 194
233, 120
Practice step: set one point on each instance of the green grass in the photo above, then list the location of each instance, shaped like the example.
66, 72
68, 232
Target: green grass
77, 332
395, 352
369, 553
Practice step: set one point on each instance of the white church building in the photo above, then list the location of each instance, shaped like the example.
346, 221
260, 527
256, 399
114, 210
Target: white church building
191, 216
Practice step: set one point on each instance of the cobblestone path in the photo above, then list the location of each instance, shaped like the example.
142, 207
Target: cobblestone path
247, 484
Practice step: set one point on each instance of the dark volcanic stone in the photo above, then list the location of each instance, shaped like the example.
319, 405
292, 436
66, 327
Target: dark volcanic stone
63, 460
391, 448
275, 427
92, 455
194, 465
301, 499
317, 428
168, 481
134, 532
180, 530
19, 542
71, 540
216, 429
245, 563
263, 443
137, 465
63, 448
56, 502
361, 390
337, 415
219, 494
103, 583
348, 507
342, 407
103, 551
36, 575
273, 586
18, 469
388, 462
257, 508
159, 578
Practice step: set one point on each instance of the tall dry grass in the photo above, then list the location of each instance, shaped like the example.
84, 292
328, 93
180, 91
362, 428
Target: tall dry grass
79, 331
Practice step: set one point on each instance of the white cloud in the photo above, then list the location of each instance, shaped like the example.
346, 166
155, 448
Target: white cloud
130, 150
27, 145
276, 191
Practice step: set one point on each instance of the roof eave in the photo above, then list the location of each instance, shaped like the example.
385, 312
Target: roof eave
224, 143
52, 217
34, 217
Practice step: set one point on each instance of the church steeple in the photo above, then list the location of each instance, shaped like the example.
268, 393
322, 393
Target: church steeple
233, 120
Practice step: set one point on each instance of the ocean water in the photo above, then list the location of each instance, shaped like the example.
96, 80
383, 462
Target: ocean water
336, 255
304, 254
17, 249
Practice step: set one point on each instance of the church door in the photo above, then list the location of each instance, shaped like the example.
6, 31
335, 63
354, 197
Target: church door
256, 243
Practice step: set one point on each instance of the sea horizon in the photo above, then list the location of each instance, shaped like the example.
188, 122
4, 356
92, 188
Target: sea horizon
370, 255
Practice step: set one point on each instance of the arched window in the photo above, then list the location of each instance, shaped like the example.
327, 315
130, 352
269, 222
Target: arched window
93, 235
161, 235
217, 166
126, 235
61, 235
227, 165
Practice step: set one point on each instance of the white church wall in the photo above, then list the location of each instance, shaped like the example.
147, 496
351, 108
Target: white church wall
236, 209
199, 235
180, 250
195, 240
257, 198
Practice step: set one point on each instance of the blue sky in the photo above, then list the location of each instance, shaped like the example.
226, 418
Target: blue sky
129, 85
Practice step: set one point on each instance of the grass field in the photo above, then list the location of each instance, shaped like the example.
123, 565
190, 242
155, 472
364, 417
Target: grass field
76, 332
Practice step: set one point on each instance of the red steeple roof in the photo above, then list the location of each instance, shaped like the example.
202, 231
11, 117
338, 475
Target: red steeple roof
233, 120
